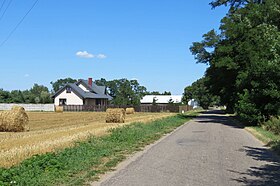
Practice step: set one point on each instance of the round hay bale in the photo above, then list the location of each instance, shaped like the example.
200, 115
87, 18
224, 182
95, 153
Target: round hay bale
15, 120
115, 115
59, 109
18, 108
129, 111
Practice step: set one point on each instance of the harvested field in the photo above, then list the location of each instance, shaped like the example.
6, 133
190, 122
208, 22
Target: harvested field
50, 131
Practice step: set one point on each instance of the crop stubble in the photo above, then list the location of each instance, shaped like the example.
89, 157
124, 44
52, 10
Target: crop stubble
51, 131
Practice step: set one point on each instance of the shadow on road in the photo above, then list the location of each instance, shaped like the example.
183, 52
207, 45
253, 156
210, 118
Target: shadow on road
217, 116
267, 175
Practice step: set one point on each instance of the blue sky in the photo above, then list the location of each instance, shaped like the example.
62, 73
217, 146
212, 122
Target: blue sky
147, 40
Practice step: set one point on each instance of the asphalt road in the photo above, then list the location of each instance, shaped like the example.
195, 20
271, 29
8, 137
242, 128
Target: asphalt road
206, 151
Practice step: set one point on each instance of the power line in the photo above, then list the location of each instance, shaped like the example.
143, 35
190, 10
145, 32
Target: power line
11, 33
5, 9
2, 5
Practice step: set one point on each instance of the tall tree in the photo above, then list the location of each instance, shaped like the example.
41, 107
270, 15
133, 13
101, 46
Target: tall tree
200, 93
244, 60
234, 3
58, 84
124, 91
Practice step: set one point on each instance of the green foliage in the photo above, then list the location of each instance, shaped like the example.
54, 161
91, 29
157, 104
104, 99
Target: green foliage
123, 91
244, 59
158, 93
273, 125
247, 110
37, 94
85, 160
234, 3
199, 91
58, 84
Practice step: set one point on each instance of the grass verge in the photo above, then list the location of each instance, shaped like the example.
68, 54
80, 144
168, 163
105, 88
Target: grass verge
270, 139
86, 160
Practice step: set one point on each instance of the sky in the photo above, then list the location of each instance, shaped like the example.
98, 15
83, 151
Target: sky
147, 40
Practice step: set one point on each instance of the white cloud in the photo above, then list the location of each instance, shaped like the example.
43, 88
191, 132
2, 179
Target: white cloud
26, 75
101, 56
84, 54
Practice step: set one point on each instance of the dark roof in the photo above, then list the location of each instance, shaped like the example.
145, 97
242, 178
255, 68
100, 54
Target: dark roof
97, 92
95, 88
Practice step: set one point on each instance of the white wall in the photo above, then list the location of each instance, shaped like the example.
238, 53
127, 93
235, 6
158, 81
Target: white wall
28, 107
71, 98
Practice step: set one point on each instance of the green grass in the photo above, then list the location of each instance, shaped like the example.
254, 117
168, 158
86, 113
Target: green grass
269, 138
87, 160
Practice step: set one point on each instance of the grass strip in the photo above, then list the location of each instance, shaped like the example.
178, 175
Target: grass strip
86, 160
270, 139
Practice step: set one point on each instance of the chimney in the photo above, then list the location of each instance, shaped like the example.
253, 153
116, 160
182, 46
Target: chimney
90, 82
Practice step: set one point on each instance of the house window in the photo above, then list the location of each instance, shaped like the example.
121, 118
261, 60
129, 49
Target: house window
68, 90
62, 102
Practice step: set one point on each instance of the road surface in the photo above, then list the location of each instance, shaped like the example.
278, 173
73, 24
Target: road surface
208, 150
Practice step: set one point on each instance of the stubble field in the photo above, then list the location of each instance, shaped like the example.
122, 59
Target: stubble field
52, 131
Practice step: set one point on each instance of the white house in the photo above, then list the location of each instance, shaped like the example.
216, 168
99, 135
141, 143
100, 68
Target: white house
83, 92
161, 99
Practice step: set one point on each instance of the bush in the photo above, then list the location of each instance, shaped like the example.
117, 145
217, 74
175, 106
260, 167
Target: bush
247, 110
272, 125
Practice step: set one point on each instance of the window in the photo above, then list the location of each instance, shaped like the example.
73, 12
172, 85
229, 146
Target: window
62, 102
68, 89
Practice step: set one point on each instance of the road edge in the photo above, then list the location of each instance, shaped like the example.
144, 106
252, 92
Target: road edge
132, 158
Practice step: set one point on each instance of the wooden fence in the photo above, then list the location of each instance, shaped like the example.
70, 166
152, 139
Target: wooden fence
141, 108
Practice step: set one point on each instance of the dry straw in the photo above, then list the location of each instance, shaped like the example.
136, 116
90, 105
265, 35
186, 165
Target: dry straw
14, 120
129, 111
115, 115
59, 109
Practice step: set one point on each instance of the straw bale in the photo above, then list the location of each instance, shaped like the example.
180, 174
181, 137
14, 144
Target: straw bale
115, 115
129, 111
15, 120
59, 109
19, 108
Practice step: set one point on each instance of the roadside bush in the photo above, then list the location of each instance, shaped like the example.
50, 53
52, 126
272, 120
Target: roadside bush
272, 125
247, 110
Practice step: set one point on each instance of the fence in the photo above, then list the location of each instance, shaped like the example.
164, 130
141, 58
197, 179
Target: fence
141, 108
28, 107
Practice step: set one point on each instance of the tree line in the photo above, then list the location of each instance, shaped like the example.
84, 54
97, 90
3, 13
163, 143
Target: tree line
244, 59
123, 92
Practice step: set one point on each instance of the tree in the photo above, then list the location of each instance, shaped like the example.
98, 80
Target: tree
123, 91
39, 94
17, 96
244, 60
58, 84
200, 93
234, 3
158, 93
5, 96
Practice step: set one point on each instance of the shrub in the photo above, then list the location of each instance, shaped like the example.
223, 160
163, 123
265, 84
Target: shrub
247, 110
272, 125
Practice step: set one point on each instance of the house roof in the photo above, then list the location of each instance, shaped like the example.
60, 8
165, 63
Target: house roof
161, 98
95, 88
97, 92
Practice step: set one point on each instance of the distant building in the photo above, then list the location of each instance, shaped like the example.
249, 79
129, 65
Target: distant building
193, 103
161, 99
83, 92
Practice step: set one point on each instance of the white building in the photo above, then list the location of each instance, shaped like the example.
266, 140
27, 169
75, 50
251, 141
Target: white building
83, 92
161, 99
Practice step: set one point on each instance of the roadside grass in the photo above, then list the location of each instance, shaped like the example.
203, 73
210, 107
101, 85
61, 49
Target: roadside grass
85, 161
269, 138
